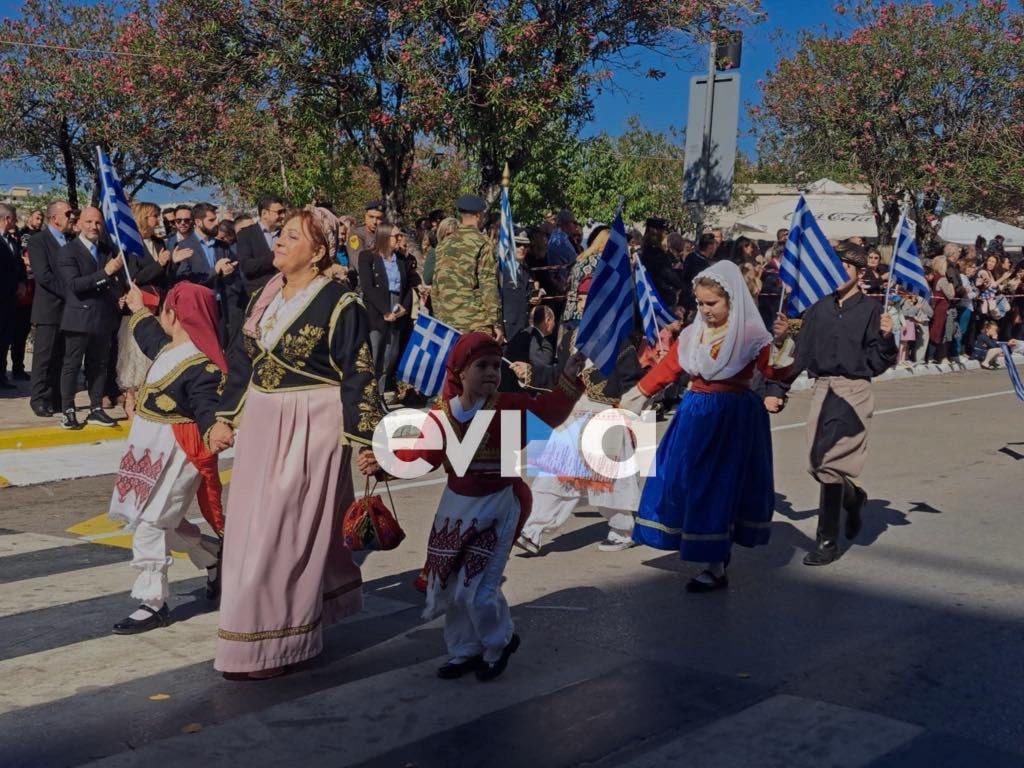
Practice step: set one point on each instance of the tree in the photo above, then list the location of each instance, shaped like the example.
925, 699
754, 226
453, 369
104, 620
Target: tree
79, 76
915, 100
485, 78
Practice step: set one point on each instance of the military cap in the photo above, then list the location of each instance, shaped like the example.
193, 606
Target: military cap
521, 237
471, 204
656, 222
375, 205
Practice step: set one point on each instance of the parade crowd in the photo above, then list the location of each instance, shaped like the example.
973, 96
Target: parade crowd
281, 332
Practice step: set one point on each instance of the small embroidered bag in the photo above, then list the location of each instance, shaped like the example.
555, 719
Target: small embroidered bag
369, 524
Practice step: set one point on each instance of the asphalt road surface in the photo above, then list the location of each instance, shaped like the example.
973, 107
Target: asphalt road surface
906, 652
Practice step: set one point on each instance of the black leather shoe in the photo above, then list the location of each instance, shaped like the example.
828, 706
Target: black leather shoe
710, 584
825, 553
453, 671
488, 670
21, 376
42, 411
213, 579
155, 620
854, 500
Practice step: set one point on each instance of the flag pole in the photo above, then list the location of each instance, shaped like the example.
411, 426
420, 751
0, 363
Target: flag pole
892, 260
105, 189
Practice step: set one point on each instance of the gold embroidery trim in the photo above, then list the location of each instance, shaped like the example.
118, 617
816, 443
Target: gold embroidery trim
137, 317
267, 634
165, 402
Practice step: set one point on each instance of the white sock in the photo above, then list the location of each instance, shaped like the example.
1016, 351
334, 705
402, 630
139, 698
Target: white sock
716, 570
140, 614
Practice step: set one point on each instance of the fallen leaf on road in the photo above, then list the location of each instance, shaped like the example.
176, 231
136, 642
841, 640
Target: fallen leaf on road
192, 728
743, 675
159, 697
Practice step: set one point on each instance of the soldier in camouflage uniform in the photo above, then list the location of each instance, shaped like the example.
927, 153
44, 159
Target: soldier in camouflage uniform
465, 288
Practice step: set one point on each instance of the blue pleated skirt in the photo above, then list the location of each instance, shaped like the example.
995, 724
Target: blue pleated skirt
713, 481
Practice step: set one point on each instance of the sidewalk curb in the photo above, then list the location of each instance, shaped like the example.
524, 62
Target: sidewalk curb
50, 437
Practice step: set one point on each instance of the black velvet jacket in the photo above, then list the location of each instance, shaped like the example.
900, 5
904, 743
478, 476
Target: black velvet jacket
326, 345
190, 392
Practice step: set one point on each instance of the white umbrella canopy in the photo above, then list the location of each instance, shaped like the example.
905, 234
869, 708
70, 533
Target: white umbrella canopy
839, 215
964, 228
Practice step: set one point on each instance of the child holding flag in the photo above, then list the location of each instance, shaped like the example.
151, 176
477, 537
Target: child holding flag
845, 340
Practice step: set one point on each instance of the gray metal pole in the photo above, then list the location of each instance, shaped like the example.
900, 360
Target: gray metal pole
705, 158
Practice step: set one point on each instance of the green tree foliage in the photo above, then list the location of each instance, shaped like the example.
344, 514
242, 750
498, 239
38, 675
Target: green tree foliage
915, 98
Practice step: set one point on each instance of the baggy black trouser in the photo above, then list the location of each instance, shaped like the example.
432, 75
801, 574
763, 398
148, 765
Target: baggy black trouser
95, 350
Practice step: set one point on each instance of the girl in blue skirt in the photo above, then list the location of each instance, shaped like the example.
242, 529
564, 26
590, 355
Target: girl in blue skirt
713, 483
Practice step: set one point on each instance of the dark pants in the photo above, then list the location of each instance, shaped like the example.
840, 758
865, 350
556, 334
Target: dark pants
22, 326
95, 348
47, 360
6, 331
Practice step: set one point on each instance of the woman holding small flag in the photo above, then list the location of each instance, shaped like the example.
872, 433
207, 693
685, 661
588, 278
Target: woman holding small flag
713, 482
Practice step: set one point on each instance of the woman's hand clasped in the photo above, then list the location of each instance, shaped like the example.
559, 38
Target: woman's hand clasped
222, 437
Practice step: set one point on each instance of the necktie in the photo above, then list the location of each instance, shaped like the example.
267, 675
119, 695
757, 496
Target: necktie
92, 251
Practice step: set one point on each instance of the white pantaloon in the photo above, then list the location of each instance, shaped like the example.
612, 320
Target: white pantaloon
554, 502
151, 547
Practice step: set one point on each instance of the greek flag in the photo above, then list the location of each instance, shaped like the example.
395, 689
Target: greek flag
653, 311
906, 264
608, 314
809, 267
1011, 368
117, 214
507, 238
423, 361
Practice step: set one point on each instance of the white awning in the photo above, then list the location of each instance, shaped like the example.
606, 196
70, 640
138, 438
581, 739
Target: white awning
964, 228
839, 216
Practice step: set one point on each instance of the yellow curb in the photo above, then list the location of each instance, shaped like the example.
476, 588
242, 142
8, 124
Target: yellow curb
49, 437
4, 482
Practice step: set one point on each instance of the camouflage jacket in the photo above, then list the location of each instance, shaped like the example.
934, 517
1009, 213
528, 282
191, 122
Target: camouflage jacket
465, 289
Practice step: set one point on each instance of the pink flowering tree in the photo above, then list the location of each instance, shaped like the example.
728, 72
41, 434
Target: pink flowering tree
81, 76
912, 99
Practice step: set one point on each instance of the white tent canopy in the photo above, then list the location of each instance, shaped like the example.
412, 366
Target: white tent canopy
964, 228
839, 215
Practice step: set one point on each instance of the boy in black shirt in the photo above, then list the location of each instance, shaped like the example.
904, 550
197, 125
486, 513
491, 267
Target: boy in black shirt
845, 339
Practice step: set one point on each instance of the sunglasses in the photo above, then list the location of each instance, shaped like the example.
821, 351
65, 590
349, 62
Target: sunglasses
183, 221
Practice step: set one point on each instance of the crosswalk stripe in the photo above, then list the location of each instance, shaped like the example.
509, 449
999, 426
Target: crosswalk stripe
271, 737
20, 543
111, 660
61, 588
790, 731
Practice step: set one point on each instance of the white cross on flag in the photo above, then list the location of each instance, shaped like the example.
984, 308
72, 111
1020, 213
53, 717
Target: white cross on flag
423, 362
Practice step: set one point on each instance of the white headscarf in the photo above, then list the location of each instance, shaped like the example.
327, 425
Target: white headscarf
745, 335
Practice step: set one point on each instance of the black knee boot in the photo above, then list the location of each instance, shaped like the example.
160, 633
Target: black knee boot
854, 499
827, 549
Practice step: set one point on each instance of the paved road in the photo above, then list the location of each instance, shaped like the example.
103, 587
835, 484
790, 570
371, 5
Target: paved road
907, 652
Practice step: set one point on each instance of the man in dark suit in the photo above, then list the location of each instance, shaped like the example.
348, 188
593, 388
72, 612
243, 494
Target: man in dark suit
10, 277
210, 263
183, 224
93, 279
532, 354
255, 245
48, 309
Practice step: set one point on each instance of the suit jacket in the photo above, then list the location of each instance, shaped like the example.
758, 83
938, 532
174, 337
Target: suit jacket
48, 302
374, 285
90, 301
11, 270
233, 297
255, 257
530, 346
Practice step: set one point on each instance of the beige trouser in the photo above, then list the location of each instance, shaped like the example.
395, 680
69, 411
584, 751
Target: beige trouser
837, 428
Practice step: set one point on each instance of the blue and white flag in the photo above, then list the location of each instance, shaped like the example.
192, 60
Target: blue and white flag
906, 268
653, 311
809, 266
1011, 368
506, 250
117, 214
423, 362
608, 314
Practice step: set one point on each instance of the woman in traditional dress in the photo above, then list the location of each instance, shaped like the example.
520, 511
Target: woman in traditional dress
166, 463
479, 512
304, 344
713, 480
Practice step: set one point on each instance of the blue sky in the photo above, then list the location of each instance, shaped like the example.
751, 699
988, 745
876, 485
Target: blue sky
659, 103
